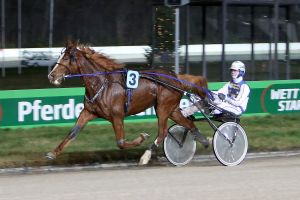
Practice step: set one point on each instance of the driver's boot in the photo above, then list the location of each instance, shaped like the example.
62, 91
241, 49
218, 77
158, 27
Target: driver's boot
199, 137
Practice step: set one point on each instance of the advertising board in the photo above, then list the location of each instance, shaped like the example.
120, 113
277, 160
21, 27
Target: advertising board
44, 107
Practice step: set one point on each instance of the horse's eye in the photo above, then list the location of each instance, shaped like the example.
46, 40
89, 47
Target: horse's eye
72, 57
67, 57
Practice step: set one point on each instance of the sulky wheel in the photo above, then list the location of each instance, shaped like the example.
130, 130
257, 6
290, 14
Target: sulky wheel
230, 144
179, 145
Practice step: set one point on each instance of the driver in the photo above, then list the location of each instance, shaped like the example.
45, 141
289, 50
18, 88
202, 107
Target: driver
233, 96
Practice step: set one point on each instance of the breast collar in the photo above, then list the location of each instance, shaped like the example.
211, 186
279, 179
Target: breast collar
103, 86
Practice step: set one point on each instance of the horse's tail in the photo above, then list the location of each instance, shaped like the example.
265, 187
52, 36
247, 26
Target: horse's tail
200, 81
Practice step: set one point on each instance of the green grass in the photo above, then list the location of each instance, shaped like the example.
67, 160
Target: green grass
96, 143
272, 133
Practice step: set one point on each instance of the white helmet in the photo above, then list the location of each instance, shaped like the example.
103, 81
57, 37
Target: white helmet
238, 65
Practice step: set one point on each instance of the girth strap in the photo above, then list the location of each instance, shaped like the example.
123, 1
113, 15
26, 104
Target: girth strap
128, 93
129, 96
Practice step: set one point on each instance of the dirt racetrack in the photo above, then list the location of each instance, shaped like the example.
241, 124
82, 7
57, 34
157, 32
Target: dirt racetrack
255, 179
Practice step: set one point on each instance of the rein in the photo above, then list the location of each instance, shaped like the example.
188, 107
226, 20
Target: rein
207, 91
94, 74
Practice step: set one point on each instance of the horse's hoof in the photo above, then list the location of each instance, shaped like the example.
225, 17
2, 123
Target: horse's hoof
145, 158
210, 140
50, 156
145, 135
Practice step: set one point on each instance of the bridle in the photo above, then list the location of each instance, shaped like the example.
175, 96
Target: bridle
72, 58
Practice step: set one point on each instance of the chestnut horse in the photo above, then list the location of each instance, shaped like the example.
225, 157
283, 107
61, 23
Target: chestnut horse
199, 81
105, 97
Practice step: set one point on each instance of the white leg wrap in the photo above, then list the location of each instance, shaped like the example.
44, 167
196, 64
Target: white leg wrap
145, 158
145, 135
155, 142
50, 156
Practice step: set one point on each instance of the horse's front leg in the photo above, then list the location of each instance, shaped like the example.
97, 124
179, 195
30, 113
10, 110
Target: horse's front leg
84, 117
118, 125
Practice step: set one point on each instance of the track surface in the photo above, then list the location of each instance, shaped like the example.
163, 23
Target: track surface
260, 178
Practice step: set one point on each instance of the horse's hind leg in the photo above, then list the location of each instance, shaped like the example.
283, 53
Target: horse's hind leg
118, 125
178, 118
82, 120
162, 133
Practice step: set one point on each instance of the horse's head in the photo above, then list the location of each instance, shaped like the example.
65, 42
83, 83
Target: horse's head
73, 55
66, 64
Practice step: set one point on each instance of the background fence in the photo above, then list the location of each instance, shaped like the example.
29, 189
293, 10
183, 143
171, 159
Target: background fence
48, 23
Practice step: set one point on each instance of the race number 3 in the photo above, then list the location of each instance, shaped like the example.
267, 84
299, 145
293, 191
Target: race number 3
132, 79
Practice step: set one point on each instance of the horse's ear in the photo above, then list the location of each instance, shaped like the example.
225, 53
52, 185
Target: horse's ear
77, 42
71, 43
68, 43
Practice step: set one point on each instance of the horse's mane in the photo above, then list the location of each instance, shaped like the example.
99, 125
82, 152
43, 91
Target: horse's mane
100, 59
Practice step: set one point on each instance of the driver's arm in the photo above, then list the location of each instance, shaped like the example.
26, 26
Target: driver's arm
241, 98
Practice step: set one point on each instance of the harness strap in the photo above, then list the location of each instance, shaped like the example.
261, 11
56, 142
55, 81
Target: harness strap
207, 91
98, 93
128, 93
129, 96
